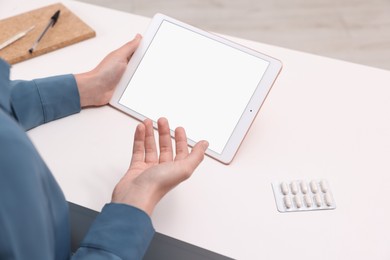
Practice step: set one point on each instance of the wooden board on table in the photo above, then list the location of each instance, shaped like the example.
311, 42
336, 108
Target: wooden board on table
68, 30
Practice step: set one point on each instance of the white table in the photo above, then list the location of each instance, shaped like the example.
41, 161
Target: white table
323, 119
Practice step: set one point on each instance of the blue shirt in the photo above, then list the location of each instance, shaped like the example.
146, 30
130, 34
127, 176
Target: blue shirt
34, 221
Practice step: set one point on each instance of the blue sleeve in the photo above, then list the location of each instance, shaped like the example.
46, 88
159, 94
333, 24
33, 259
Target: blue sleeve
33, 210
34, 221
43, 100
119, 232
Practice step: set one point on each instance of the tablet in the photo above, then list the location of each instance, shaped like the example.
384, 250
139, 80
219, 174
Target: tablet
209, 85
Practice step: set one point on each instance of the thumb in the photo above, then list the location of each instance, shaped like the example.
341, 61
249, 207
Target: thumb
127, 50
197, 154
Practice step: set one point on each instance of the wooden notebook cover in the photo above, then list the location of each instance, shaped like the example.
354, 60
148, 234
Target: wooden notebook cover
68, 30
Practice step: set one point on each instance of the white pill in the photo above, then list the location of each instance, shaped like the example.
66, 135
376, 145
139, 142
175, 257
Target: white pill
308, 201
328, 199
287, 202
294, 187
284, 188
313, 187
298, 202
317, 200
303, 187
324, 186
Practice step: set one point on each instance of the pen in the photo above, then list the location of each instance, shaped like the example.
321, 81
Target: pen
51, 23
15, 38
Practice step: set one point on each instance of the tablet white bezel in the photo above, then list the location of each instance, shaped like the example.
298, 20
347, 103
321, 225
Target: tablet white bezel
252, 107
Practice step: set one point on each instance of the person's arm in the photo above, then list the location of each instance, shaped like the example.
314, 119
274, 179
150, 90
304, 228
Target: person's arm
43, 100
150, 176
123, 230
119, 232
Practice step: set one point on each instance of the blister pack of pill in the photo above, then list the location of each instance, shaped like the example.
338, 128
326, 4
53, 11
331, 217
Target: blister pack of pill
303, 195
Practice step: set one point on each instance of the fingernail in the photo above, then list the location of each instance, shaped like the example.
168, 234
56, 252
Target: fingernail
205, 145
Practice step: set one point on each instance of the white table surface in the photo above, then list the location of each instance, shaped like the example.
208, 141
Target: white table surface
323, 119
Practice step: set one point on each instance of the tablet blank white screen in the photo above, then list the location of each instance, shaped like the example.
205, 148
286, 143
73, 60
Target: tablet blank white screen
195, 82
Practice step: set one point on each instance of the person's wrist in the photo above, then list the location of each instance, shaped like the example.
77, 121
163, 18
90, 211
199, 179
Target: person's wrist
83, 80
87, 84
136, 197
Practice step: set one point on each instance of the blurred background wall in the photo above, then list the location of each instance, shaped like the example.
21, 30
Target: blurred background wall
353, 30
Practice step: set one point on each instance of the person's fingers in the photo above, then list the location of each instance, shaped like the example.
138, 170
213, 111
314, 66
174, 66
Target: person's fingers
181, 144
139, 144
150, 143
165, 142
129, 48
185, 167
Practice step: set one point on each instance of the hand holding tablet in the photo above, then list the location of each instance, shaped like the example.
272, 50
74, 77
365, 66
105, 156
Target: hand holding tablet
210, 86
